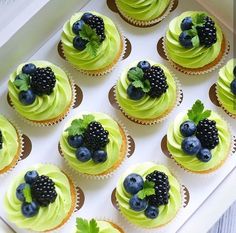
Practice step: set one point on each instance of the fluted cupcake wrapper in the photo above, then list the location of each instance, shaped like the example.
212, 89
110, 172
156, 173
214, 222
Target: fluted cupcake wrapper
161, 118
128, 152
193, 71
147, 23
59, 118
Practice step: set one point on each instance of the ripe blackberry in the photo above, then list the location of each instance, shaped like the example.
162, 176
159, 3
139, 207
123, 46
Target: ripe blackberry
43, 190
207, 32
207, 133
95, 136
43, 81
1, 140
96, 22
157, 79
162, 188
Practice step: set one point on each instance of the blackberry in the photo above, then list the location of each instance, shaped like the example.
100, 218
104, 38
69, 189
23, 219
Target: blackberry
157, 79
162, 188
207, 32
207, 133
43, 190
1, 140
43, 81
96, 23
95, 136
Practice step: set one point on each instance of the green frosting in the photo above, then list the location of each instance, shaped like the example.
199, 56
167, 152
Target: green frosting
194, 57
47, 217
107, 52
45, 107
224, 93
219, 153
143, 10
10, 142
166, 212
112, 148
146, 108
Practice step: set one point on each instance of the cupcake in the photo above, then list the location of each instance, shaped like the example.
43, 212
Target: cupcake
148, 195
226, 87
194, 42
146, 92
10, 145
143, 13
41, 92
96, 226
92, 43
40, 199
199, 140
93, 144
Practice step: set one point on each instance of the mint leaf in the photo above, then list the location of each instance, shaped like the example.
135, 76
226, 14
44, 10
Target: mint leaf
199, 19
204, 115
92, 48
146, 86
192, 32
196, 41
148, 190
22, 82
137, 84
84, 226
27, 193
135, 74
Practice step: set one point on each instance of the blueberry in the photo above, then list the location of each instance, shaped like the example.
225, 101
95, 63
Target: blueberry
135, 93
233, 86
185, 40
79, 43
86, 16
99, 156
27, 97
133, 68
188, 128
151, 212
144, 65
137, 204
28, 68
186, 23
31, 176
204, 155
75, 141
83, 154
30, 209
19, 192
234, 71
191, 145
77, 26
133, 183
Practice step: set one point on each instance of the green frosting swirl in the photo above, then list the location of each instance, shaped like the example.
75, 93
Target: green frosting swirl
47, 217
106, 54
45, 107
112, 148
195, 57
166, 212
143, 9
146, 108
10, 142
224, 93
219, 153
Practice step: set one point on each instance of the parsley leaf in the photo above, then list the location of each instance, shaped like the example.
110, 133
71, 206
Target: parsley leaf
85, 226
148, 190
22, 82
27, 193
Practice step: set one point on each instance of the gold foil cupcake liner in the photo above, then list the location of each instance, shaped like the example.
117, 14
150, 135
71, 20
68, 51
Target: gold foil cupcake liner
196, 72
57, 119
185, 198
106, 70
148, 23
129, 150
179, 99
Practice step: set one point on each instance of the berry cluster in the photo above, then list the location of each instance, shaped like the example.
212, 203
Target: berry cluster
150, 79
198, 31
95, 23
34, 81
142, 200
37, 191
200, 137
233, 83
90, 143
1, 140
